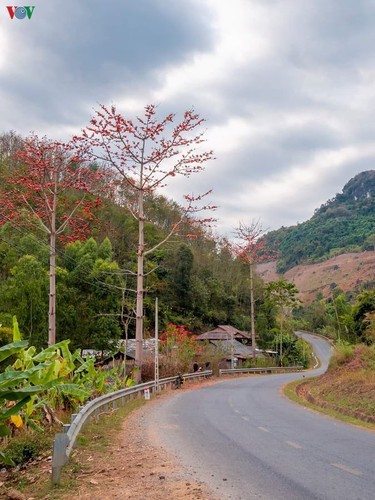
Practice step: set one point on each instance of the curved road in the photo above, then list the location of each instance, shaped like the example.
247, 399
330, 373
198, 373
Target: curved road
245, 440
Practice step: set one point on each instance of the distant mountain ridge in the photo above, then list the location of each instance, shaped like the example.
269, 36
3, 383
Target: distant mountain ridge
350, 272
344, 223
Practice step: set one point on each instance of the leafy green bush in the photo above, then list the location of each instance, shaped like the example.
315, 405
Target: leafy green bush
261, 362
343, 353
26, 446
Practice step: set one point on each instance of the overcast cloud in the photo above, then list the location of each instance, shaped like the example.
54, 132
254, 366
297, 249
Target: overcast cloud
287, 88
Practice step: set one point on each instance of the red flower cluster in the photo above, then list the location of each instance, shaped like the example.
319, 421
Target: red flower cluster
179, 337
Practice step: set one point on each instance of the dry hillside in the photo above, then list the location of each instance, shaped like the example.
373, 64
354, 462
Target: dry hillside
348, 271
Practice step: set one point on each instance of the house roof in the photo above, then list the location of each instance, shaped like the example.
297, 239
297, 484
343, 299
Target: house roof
148, 348
224, 332
239, 350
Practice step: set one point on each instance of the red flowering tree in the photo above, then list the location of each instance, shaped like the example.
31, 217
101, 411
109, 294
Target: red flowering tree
178, 343
250, 248
48, 187
145, 153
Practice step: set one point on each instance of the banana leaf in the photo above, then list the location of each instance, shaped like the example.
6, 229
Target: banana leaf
53, 383
13, 410
19, 394
31, 423
8, 350
16, 331
11, 378
73, 390
85, 366
51, 351
67, 355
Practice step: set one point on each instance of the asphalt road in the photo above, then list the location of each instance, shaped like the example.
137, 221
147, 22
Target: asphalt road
245, 440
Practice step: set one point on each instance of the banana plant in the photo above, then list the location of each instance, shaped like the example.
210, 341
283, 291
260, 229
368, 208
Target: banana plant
12, 397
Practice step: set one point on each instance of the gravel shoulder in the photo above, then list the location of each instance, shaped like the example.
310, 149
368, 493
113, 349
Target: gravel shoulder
136, 466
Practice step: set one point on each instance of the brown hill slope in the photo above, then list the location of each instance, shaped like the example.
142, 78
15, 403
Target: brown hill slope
348, 271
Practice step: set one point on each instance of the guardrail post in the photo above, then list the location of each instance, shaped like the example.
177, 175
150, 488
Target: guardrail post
66, 427
73, 417
59, 457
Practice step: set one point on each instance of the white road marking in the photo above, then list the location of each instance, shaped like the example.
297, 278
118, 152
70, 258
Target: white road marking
355, 472
317, 361
245, 418
294, 445
263, 429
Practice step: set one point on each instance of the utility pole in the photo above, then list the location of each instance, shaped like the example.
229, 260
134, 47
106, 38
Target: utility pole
156, 346
337, 318
232, 352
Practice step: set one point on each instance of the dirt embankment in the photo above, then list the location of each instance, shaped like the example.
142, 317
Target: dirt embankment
348, 387
347, 271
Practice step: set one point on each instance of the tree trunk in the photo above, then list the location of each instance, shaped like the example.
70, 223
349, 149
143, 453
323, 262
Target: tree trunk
139, 308
52, 279
281, 338
52, 267
252, 311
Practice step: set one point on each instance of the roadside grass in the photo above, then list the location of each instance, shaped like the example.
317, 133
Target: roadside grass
290, 392
34, 481
348, 384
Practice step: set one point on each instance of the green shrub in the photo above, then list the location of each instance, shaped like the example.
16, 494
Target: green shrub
344, 353
261, 362
27, 446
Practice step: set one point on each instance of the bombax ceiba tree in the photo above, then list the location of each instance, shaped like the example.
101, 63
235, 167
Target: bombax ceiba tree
48, 188
145, 153
250, 248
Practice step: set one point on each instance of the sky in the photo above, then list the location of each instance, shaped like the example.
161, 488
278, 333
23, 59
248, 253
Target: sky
287, 88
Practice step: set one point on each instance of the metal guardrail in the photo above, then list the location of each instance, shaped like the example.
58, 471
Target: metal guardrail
266, 369
65, 441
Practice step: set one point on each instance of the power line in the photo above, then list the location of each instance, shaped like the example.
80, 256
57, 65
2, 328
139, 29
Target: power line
63, 254
102, 283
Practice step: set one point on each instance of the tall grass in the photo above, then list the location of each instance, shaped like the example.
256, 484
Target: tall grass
343, 353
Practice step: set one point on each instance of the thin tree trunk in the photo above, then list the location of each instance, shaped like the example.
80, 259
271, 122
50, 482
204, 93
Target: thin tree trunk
337, 318
139, 308
281, 338
52, 276
52, 292
252, 311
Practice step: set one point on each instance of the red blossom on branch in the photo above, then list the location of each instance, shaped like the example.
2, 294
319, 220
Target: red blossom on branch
44, 173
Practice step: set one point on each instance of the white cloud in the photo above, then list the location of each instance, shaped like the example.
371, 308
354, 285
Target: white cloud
287, 88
